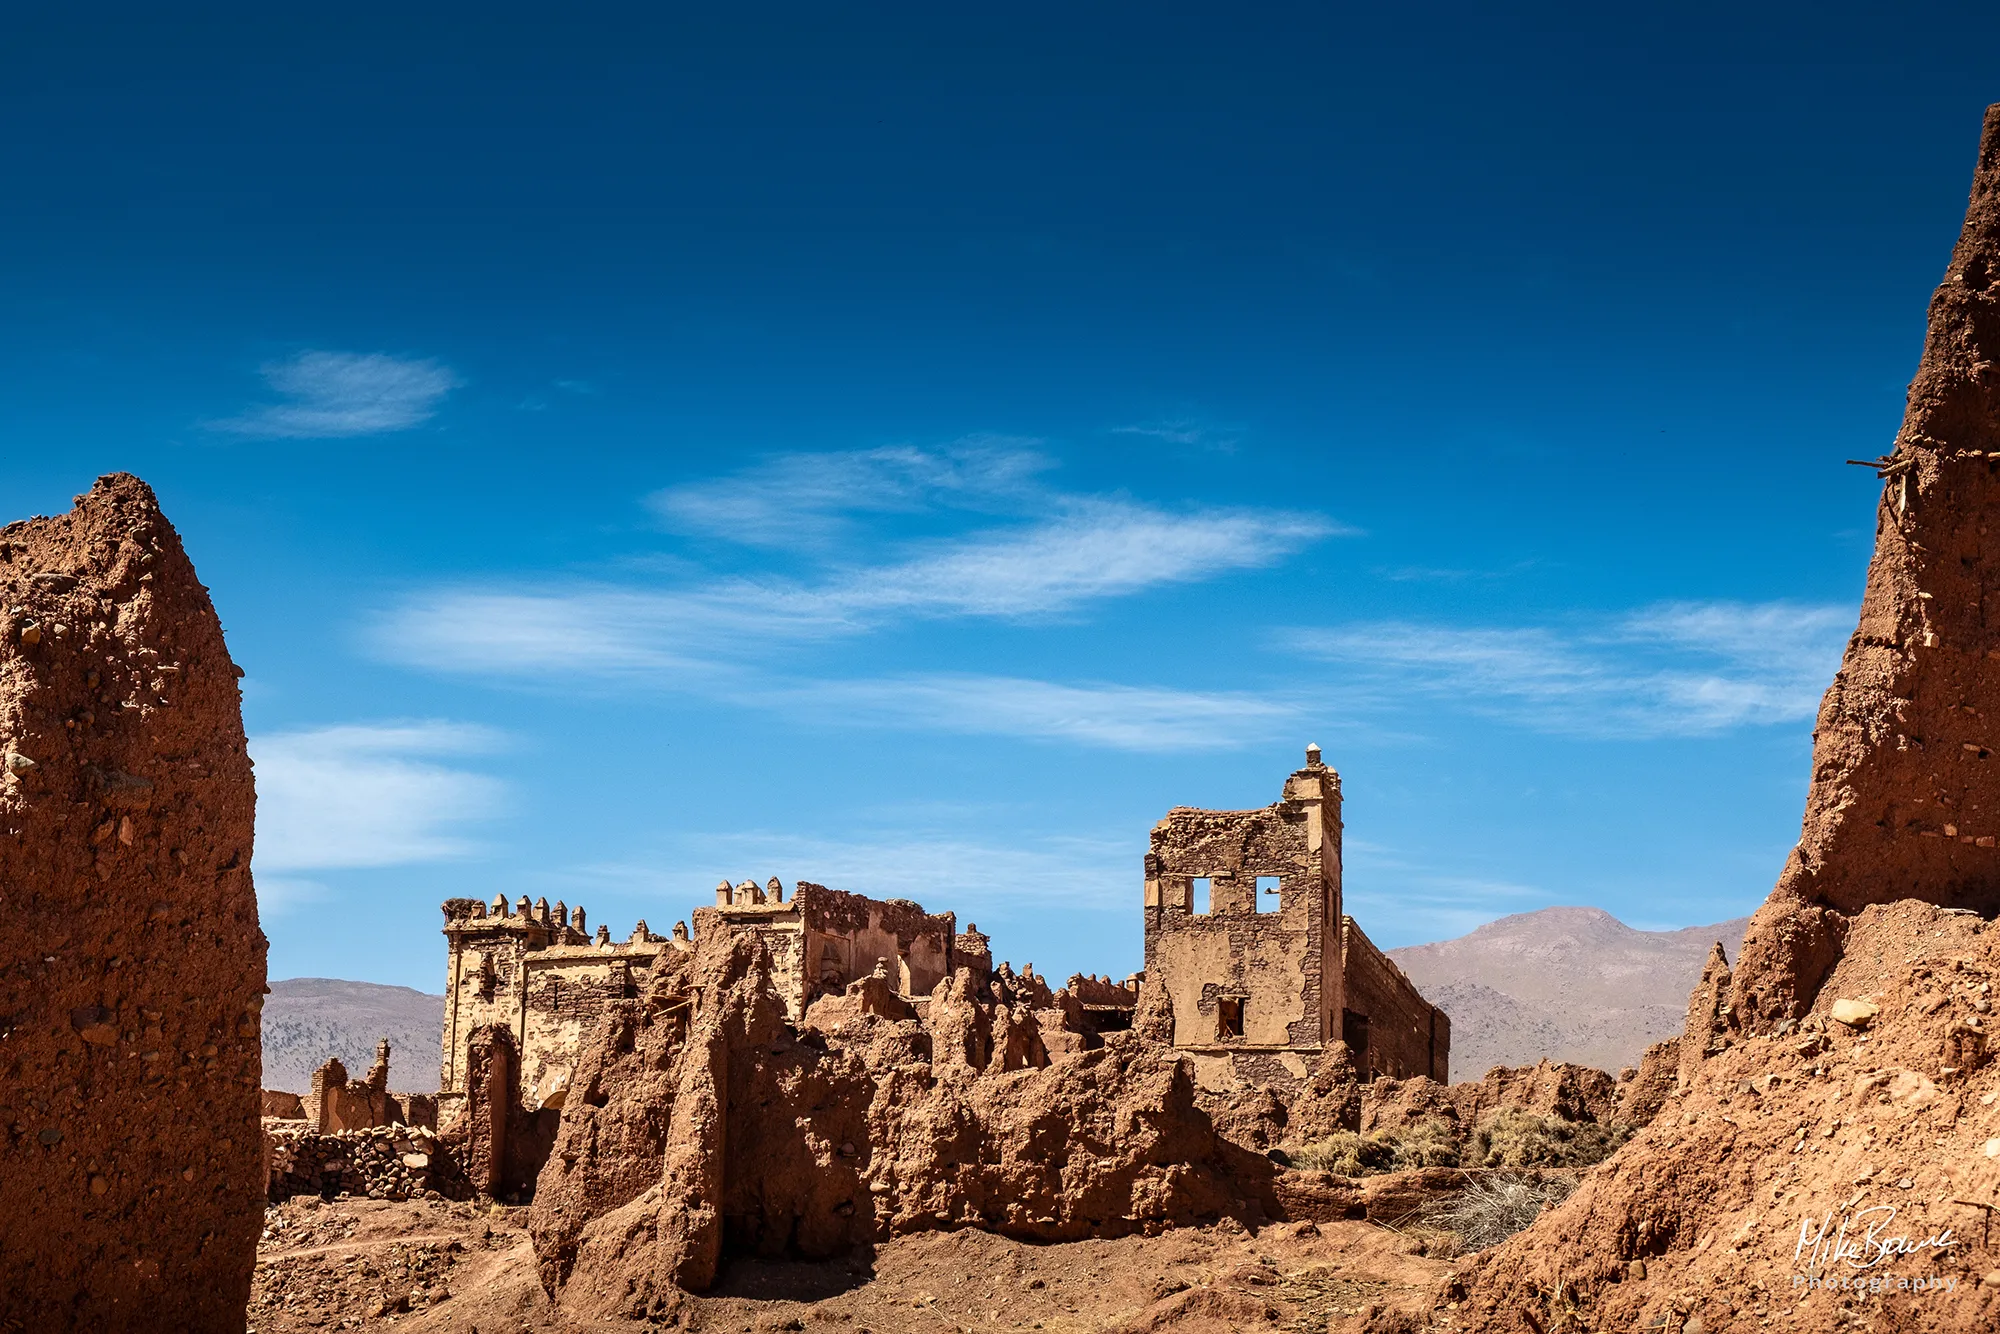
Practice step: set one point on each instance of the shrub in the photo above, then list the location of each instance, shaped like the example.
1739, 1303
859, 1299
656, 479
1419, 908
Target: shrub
1346, 1154
1514, 1137
1427, 1144
1431, 1143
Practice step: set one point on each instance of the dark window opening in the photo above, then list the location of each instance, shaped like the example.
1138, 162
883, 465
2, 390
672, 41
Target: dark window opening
1267, 896
1354, 1032
1228, 1017
1199, 897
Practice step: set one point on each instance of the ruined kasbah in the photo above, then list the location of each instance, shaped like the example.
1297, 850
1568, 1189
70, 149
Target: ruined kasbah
1252, 971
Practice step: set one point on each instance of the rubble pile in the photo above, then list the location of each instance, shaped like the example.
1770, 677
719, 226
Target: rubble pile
701, 1115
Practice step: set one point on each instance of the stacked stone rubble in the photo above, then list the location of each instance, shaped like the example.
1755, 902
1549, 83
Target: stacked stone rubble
384, 1163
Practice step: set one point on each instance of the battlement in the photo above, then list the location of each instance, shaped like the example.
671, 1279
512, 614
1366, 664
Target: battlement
1102, 992
538, 927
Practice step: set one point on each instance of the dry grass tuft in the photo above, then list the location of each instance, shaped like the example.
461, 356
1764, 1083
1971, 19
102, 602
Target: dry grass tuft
1491, 1209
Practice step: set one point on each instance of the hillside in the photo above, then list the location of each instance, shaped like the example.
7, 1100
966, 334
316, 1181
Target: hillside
307, 1019
1574, 984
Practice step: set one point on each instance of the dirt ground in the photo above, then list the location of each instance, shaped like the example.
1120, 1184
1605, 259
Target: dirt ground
431, 1266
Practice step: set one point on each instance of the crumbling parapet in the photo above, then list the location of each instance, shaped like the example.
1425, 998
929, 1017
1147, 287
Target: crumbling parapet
821, 940
337, 1103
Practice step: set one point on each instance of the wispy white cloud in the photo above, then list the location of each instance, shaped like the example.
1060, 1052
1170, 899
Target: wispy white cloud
806, 499
1674, 669
1183, 431
1116, 717
723, 636
338, 394
1096, 550
282, 896
354, 795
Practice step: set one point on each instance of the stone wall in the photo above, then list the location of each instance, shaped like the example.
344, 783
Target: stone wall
384, 1163
132, 967
1389, 1028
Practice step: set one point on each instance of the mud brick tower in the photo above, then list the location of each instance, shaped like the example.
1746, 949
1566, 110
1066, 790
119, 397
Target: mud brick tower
1244, 929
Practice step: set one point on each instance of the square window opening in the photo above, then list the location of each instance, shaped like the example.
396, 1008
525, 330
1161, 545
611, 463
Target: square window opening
1228, 1017
1198, 895
1268, 899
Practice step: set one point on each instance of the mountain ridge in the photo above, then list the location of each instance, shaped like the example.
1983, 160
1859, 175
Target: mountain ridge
1570, 983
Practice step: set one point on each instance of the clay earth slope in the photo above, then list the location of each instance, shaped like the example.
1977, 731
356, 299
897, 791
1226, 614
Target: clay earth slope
1844, 1064
1562, 984
1700, 1215
132, 969
435, 1268
309, 1019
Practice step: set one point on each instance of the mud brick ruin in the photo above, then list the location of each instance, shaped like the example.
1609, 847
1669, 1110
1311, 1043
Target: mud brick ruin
1258, 994
536, 972
1244, 930
339, 1103
823, 939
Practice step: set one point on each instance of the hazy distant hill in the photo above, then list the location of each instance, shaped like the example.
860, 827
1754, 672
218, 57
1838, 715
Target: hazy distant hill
307, 1019
1574, 984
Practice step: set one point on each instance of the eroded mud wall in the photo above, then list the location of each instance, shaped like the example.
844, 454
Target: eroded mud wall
132, 972
1905, 796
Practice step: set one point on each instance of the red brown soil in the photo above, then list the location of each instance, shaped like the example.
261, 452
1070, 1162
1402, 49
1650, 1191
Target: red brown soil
1781, 1113
433, 1268
132, 969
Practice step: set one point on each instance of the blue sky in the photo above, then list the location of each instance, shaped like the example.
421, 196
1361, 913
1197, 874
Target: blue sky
911, 450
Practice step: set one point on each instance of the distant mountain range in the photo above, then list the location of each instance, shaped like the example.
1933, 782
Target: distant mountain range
1572, 984
308, 1019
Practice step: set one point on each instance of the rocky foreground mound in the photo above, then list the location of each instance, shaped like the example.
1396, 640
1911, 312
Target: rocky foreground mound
701, 1117
1829, 1154
132, 969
